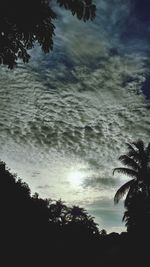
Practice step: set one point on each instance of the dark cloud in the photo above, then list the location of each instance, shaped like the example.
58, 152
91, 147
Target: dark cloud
146, 86
98, 182
46, 186
141, 9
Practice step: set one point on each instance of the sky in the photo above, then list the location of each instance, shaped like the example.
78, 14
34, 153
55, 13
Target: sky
65, 117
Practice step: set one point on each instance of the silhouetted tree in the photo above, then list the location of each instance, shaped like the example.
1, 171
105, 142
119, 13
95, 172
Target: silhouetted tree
103, 232
57, 212
137, 202
76, 214
79, 217
40, 231
24, 23
137, 214
43, 232
137, 159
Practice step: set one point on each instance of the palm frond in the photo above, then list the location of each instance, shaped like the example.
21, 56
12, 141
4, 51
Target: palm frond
126, 217
148, 150
126, 160
139, 145
126, 171
122, 190
133, 152
134, 155
130, 147
132, 189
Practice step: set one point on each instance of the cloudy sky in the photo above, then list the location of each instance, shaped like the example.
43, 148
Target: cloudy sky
66, 116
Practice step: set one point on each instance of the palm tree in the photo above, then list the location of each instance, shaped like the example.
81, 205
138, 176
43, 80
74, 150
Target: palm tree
137, 166
76, 214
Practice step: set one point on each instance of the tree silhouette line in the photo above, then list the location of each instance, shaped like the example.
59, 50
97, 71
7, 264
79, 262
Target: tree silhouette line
137, 201
44, 232
25, 23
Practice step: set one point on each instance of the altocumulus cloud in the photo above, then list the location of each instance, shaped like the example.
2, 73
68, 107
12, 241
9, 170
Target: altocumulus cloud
77, 107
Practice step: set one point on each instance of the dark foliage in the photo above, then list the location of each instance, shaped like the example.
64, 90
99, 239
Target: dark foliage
137, 166
137, 214
23, 23
137, 201
43, 232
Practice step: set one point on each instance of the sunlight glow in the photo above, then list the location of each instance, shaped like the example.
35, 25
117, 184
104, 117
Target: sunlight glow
76, 177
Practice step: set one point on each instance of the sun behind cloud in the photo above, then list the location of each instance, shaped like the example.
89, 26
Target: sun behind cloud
76, 176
